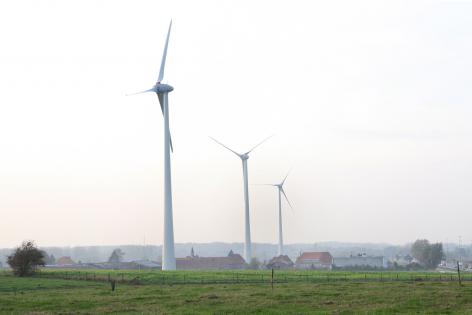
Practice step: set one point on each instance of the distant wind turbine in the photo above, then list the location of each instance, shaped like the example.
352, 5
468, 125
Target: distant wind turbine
162, 91
280, 188
247, 227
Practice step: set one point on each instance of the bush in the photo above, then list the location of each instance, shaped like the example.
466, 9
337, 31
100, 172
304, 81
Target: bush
25, 259
254, 264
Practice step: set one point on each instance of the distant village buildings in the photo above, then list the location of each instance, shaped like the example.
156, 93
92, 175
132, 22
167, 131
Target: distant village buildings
195, 262
402, 260
65, 261
233, 261
360, 261
314, 260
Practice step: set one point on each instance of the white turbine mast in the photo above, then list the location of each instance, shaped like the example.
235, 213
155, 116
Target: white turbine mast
247, 226
280, 188
162, 91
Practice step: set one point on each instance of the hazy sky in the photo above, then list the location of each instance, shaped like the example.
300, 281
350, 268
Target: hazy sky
369, 101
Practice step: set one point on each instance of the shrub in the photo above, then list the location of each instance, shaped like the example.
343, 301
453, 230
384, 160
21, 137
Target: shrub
25, 259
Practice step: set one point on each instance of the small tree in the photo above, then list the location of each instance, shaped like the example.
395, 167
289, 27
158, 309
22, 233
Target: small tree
429, 255
254, 264
25, 259
421, 250
116, 256
437, 254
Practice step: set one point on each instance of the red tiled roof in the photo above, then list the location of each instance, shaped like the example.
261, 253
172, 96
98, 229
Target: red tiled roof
234, 261
322, 257
65, 260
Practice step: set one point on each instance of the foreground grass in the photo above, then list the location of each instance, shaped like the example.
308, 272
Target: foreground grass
44, 296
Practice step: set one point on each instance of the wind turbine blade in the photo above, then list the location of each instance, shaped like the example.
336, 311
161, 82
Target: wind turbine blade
259, 144
145, 91
164, 55
239, 155
286, 176
286, 198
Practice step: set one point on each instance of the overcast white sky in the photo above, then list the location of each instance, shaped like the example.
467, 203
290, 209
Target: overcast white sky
370, 102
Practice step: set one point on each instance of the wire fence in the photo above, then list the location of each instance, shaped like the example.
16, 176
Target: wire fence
165, 278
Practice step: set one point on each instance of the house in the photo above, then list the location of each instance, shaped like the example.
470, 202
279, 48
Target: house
194, 262
280, 262
64, 261
360, 261
314, 260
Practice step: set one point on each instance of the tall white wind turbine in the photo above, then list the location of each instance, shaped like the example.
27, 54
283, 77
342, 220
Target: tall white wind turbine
162, 91
247, 226
280, 188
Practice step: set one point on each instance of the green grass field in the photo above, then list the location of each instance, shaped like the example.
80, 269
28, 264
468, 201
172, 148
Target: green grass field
244, 276
349, 296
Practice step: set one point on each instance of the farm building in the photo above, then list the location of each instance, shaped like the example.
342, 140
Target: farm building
192, 262
314, 260
360, 261
64, 261
280, 262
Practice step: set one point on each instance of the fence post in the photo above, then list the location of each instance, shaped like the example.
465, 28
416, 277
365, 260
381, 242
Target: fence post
459, 273
272, 279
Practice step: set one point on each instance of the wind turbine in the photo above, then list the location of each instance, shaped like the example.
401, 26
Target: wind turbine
280, 188
162, 90
247, 227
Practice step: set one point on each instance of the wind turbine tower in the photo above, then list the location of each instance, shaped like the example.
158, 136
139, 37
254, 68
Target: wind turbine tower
247, 226
162, 91
280, 189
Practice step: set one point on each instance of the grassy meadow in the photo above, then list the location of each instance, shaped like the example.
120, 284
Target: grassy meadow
45, 295
244, 276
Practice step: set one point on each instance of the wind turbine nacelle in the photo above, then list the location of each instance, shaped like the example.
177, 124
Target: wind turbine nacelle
244, 156
163, 88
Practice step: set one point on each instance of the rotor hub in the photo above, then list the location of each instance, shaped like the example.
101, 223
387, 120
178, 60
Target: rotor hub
161, 88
